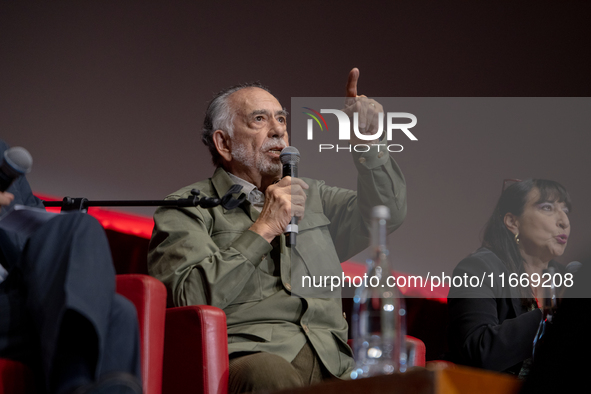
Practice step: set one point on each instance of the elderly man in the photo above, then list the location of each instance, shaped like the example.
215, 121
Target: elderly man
237, 259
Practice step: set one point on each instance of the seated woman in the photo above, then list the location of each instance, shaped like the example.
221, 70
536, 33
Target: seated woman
493, 326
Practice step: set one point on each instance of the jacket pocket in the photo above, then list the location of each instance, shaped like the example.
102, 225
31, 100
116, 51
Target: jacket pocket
252, 288
250, 333
343, 345
314, 256
223, 238
345, 355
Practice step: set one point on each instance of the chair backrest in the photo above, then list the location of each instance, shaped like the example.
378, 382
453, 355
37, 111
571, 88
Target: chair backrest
149, 297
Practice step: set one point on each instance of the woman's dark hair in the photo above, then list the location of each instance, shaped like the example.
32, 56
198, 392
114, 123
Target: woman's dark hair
497, 236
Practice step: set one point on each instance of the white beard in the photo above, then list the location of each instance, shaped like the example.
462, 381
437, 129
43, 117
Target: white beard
259, 160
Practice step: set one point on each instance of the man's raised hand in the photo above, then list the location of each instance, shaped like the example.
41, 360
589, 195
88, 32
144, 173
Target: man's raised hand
368, 110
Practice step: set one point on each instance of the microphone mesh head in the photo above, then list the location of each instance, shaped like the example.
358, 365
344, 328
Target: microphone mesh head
380, 212
290, 155
19, 159
573, 266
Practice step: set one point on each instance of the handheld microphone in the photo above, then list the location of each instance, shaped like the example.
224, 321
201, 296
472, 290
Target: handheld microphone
573, 266
290, 157
17, 161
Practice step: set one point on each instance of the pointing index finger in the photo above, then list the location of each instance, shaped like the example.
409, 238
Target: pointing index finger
352, 83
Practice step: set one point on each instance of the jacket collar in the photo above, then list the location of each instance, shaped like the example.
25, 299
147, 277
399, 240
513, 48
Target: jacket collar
222, 182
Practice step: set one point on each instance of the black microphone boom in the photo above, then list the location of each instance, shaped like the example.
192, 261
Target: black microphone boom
17, 161
290, 157
82, 204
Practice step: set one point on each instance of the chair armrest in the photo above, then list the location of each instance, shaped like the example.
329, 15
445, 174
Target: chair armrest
149, 297
195, 351
15, 378
415, 350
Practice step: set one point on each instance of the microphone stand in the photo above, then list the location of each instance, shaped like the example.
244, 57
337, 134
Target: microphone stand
82, 204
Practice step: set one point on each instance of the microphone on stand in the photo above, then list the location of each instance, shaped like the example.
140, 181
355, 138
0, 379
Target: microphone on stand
290, 157
573, 266
17, 161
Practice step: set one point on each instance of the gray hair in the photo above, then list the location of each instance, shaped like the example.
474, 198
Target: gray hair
219, 116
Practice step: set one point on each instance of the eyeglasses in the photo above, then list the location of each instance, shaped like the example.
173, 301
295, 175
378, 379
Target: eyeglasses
509, 182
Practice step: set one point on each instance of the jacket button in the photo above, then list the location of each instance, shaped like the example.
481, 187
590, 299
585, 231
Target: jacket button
380, 154
306, 329
288, 286
362, 160
344, 315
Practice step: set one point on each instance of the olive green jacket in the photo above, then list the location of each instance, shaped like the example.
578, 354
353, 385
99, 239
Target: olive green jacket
208, 256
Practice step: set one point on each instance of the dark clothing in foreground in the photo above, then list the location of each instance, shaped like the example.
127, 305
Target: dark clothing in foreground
561, 361
59, 313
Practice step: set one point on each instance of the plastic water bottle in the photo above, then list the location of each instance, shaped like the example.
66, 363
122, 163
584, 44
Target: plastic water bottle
378, 319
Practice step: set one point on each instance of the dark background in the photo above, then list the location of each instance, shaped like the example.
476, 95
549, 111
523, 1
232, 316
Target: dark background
109, 96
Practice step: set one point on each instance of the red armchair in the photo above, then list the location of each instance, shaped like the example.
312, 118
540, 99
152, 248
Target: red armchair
149, 297
196, 351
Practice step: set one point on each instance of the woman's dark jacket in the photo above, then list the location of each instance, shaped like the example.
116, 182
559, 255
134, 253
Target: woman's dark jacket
490, 328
